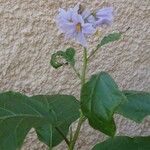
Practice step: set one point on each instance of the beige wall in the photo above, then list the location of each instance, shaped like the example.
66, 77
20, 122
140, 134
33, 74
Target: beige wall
28, 37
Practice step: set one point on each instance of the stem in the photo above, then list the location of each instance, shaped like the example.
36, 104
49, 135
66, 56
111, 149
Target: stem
75, 70
93, 52
82, 117
62, 134
84, 67
71, 133
81, 120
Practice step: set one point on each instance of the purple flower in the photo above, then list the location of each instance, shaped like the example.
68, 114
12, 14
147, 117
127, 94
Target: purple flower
85, 13
73, 25
104, 16
78, 23
88, 17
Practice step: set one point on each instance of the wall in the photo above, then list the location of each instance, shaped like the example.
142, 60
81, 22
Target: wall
28, 37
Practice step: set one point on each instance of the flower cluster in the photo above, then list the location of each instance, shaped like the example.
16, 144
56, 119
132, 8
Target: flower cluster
78, 23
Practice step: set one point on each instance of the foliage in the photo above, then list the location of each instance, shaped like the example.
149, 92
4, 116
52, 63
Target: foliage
100, 98
124, 143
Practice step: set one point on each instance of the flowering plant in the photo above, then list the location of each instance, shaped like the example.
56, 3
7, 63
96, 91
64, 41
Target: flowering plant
52, 115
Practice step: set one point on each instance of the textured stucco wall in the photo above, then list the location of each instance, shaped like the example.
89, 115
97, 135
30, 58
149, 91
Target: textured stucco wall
28, 37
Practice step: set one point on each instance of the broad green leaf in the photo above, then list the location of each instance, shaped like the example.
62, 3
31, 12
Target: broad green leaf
110, 38
137, 107
100, 97
61, 58
65, 109
45, 134
19, 113
124, 143
17, 116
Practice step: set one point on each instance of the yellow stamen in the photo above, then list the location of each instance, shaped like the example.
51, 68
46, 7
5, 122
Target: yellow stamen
78, 27
98, 33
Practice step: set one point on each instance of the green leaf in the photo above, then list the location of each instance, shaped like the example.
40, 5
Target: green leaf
124, 143
45, 133
137, 107
18, 115
55, 59
61, 58
70, 53
110, 38
65, 109
100, 97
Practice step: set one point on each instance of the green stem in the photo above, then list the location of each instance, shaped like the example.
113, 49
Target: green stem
75, 70
71, 134
82, 117
81, 120
62, 134
84, 67
93, 52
